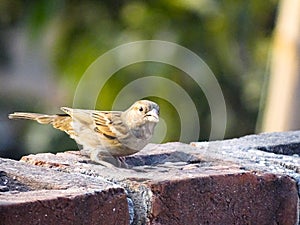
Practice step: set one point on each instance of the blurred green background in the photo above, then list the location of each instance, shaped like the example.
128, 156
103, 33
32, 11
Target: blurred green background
46, 46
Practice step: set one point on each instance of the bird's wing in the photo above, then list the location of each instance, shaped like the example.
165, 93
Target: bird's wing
109, 124
81, 115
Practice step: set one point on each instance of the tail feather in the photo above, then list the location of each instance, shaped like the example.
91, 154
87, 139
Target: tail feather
59, 121
41, 118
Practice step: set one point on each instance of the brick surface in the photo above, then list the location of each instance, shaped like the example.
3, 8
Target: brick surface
35, 195
176, 183
242, 198
64, 207
277, 153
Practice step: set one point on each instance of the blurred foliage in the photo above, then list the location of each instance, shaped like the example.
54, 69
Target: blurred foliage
232, 37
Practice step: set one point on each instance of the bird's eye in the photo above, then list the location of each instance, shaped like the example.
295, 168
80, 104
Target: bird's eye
141, 109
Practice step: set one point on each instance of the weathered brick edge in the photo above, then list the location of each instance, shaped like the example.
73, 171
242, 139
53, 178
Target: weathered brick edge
222, 182
277, 152
34, 195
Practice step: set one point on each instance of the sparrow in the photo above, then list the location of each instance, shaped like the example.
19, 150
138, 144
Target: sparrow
104, 135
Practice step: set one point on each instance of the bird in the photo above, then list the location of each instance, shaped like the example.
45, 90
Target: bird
106, 136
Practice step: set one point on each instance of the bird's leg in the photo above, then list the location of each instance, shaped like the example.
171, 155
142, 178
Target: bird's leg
107, 160
122, 161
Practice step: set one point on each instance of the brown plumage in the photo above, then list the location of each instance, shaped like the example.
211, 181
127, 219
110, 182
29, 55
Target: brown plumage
104, 133
59, 121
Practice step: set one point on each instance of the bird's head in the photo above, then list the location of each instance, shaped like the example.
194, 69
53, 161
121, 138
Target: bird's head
142, 112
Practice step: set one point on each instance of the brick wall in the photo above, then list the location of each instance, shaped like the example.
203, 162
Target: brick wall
250, 180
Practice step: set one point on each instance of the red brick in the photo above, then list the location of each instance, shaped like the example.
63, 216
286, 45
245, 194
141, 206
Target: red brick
64, 207
180, 184
36, 195
244, 198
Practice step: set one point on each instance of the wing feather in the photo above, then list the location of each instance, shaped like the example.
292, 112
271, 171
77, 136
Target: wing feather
63, 123
104, 123
107, 124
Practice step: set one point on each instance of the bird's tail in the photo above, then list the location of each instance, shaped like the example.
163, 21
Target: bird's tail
58, 121
41, 118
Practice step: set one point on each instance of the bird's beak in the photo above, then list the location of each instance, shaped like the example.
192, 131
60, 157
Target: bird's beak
152, 116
